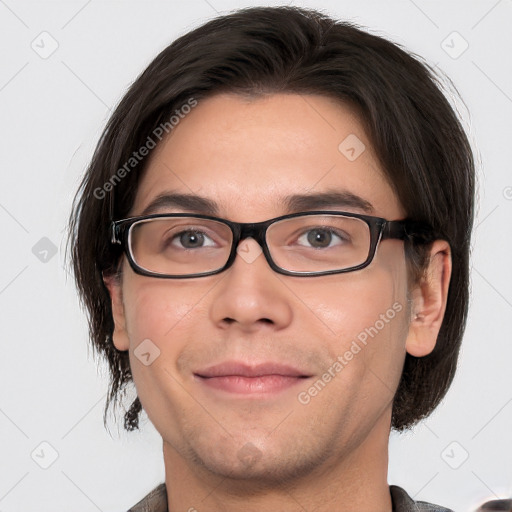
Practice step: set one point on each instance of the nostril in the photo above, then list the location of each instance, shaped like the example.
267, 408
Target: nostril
230, 321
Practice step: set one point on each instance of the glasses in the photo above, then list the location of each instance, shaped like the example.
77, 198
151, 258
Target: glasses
316, 243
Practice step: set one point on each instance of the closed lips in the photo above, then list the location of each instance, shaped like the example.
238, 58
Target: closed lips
243, 370
258, 381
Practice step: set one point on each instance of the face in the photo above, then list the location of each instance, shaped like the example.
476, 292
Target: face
332, 347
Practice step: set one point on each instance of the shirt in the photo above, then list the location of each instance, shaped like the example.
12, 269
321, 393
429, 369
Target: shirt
156, 501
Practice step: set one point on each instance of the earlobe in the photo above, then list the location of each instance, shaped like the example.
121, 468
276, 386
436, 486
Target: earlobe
429, 300
120, 335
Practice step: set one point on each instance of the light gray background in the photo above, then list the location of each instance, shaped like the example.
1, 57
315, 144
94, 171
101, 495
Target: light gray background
52, 112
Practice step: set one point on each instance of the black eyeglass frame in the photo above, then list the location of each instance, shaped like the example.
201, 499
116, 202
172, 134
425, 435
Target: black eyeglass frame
380, 229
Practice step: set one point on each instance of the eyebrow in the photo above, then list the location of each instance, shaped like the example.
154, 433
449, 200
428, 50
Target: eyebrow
329, 199
187, 202
296, 203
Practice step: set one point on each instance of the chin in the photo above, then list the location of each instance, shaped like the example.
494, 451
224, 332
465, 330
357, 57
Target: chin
253, 466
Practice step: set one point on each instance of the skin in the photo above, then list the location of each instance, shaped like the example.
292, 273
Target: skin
328, 454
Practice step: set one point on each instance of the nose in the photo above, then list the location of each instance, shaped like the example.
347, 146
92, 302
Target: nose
251, 296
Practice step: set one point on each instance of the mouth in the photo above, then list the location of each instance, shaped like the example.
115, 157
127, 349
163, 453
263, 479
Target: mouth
259, 379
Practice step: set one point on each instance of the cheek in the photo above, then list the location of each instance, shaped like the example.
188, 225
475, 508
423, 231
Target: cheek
380, 320
346, 306
159, 309
362, 318
166, 313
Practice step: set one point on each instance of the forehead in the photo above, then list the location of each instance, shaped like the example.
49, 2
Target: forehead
249, 156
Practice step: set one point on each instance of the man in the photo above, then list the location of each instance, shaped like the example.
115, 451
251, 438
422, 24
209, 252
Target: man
272, 242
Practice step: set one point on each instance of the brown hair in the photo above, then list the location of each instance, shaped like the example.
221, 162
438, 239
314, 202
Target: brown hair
414, 131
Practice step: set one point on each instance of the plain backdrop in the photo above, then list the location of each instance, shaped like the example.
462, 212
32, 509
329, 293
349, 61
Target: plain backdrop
64, 66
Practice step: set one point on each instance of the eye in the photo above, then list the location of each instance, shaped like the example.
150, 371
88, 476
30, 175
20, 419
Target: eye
320, 238
191, 239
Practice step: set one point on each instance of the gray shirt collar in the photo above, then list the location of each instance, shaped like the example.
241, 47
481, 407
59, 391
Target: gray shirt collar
156, 501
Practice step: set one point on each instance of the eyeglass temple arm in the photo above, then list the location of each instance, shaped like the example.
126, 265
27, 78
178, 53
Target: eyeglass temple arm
114, 230
407, 230
114, 233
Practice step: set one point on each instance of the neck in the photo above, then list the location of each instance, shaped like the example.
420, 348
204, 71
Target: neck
351, 479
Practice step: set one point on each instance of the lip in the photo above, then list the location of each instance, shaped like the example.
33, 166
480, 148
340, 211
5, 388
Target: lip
230, 368
258, 379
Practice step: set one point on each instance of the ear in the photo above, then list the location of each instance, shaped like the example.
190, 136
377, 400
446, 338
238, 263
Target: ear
120, 335
429, 299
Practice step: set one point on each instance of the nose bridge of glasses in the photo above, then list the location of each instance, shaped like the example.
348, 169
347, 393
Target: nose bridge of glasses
255, 230
242, 231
